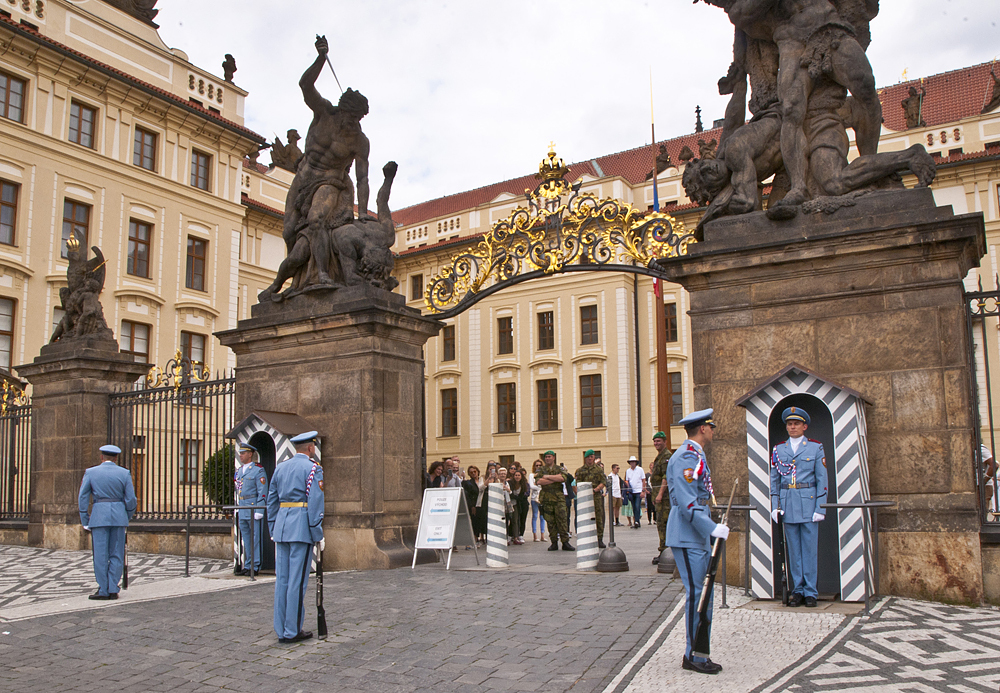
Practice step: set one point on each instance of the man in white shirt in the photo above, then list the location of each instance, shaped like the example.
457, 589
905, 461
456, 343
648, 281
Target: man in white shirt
635, 477
616, 493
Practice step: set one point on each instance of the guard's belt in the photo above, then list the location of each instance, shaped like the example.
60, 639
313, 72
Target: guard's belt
109, 500
798, 486
294, 505
701, 501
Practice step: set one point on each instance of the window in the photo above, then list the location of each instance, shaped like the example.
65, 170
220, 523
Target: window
676, 397
449, 412
548, 405
200, 164
546, 331
591, 404
8, 211
188, 463
144, 152
448, 340
134, 340
670, 313
82, 120
506, 406
505, 335
193, 347
506, 461
6, 331
11, 97
139, 239
416, 287
76, 221
57, 316
588, 324
197, 252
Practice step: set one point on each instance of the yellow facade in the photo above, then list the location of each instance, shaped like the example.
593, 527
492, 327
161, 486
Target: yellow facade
145, 151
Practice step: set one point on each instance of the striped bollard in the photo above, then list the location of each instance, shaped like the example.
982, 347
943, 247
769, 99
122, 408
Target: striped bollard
496, 529
587, 552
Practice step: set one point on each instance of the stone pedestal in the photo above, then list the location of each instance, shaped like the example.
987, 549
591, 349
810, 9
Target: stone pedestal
70, 383
870, 296
355, 371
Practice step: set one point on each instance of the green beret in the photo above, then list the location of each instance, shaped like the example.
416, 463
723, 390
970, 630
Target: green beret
588, 453
659, 434
548, 452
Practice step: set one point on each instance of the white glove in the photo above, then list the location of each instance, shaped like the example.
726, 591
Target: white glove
775, 513
322, 544
721, 532
258, 516
87, 527
818, 518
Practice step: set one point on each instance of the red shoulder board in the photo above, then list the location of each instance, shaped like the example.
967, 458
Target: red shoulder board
258, 464
811, 440
692, 448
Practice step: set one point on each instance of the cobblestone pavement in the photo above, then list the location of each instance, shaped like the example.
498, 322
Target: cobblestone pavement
538, 625
30, 575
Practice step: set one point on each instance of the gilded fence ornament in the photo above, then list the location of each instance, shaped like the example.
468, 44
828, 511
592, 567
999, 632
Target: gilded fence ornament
178, 371
561, 230
11, 396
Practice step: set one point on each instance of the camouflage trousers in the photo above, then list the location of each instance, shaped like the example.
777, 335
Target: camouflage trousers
662, 514
554, 512
599, 512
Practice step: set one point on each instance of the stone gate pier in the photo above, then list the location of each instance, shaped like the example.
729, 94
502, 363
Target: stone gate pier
352, 365
869, 295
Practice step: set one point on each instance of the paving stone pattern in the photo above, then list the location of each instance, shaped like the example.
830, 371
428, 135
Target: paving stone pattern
906, 645
390, 631
30, 575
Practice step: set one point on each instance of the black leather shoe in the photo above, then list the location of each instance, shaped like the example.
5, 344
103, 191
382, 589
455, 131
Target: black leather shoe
245, 572
98, 596
656, 560
302, 635
113, 595
568, 547
554, 547
601, 544
708, 667
795, 600
811, 601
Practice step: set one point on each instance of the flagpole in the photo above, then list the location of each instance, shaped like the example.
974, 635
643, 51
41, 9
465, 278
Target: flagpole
652, 129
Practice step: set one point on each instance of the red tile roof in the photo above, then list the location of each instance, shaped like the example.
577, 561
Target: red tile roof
259, 167
37, 37
950, 96
250, 202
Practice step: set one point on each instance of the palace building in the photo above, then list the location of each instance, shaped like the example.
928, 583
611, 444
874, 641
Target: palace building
118, 139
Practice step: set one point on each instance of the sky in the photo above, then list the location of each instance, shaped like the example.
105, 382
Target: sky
464, 94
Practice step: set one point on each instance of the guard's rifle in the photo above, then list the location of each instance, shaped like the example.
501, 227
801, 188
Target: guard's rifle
701, 640
320, 609
786, 588
125, 563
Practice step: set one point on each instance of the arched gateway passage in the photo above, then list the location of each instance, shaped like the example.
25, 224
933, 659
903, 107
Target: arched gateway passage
561, 230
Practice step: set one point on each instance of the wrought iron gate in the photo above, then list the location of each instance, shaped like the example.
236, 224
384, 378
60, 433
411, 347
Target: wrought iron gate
982, 310
15, 453
171, 429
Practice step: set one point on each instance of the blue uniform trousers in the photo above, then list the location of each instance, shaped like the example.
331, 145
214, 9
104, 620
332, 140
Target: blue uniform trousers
258, 530
291, 567
802, 539
109, 557
693, 565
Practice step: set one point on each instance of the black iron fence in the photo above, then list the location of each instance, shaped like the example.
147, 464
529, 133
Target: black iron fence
171, 429
982, 310
15, 457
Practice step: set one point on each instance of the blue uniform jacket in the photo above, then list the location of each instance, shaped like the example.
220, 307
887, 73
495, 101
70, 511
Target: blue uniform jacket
690, 524
110, 487
809, 463
288, 485
251, 485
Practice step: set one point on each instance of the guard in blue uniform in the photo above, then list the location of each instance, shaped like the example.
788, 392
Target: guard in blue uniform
798, 490
251, 489
110, 488
295, 518
690, 527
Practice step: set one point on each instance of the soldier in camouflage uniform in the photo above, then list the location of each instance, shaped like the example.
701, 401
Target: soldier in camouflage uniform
551, 478
658, 489
590, 472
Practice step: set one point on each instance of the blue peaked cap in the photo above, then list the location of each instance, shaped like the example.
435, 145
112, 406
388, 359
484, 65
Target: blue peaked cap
698, 418
111, 450
795, 414
306, 437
